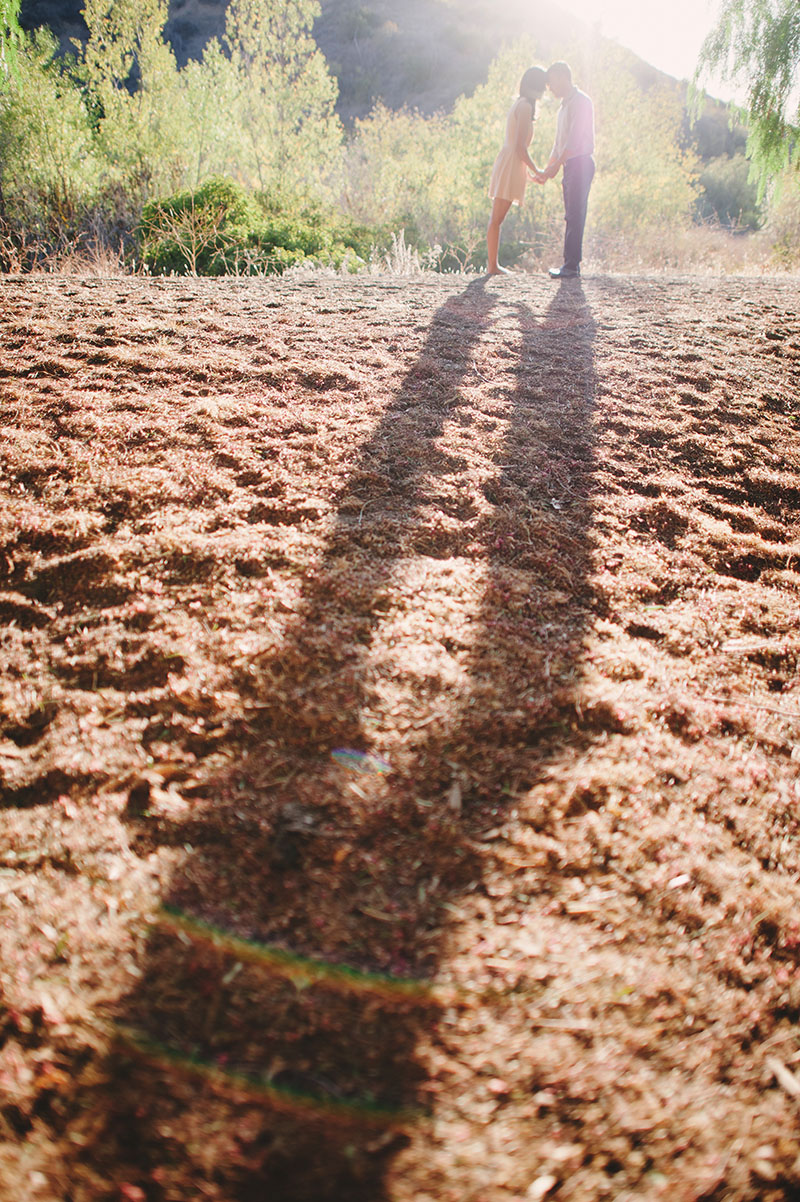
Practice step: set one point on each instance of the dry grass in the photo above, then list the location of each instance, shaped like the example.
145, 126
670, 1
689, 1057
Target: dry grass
92, 253
694, 249
534, 552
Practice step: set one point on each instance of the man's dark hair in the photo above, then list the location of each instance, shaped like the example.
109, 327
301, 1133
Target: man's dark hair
560, 68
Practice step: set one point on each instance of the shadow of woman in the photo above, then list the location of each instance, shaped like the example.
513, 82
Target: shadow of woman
421, 681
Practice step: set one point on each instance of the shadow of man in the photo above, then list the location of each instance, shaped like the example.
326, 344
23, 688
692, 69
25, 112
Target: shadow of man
420, 686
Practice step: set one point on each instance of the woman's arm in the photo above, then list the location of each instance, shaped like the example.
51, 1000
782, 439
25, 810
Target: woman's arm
524, 134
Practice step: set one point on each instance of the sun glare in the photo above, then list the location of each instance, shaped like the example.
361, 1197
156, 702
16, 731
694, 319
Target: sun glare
668, 36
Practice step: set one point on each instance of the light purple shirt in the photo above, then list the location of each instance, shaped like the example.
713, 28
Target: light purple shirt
575, 127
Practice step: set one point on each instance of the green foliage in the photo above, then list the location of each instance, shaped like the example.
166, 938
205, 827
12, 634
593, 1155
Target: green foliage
48, 169
728, 195
238, 163
282, 95
197, 233
222, 229
209, 138
646, 178
784, 223
90, 141
260, 106
756, 44
131, 77
9, 38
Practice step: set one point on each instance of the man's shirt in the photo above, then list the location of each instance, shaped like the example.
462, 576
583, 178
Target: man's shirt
575, 127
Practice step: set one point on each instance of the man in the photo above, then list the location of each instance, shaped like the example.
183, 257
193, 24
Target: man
572, 150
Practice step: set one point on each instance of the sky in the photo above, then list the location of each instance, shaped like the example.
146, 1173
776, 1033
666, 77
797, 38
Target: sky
666, 33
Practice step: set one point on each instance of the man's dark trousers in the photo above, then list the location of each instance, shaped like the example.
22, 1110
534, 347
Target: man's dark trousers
578, 176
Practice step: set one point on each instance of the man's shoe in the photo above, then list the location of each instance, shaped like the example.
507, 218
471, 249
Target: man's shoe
564, 273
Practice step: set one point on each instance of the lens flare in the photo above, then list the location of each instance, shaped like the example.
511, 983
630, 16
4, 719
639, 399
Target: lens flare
303, 971
365, 763
364, 1112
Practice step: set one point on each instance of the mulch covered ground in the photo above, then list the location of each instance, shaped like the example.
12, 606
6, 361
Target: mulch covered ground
399, 740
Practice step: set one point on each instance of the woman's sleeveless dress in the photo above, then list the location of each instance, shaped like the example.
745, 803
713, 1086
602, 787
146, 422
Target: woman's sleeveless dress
510, 173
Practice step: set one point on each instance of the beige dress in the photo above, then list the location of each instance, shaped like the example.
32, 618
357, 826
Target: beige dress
510, 173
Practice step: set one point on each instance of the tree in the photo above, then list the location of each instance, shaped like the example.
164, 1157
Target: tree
728, 195
132, 79
9, 36
285, 93
756, 44
48, 170
646, 179
210, 139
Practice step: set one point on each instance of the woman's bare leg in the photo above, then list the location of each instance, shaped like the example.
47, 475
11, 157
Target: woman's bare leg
499, 213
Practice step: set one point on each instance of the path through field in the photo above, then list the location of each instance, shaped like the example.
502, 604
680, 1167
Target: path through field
399, 740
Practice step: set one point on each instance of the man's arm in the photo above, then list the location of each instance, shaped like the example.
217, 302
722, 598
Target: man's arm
554, 165
557, 160
579, 118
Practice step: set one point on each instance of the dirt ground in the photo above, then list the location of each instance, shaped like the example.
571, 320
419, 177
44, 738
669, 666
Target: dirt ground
399, 740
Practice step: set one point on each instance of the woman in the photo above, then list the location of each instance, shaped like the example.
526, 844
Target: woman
510, 174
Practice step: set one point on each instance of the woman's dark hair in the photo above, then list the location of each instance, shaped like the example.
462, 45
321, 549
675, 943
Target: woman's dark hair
533, 82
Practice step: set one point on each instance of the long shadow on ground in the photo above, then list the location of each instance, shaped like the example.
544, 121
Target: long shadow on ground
250, 1064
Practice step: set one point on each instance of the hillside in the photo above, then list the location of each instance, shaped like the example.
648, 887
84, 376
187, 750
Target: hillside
426, 53
399, 728
420, 53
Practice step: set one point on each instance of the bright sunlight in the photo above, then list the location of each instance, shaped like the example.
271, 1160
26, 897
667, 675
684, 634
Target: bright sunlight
668, 36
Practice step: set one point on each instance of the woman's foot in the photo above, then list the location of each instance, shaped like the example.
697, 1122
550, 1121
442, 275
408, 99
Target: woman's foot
499, 271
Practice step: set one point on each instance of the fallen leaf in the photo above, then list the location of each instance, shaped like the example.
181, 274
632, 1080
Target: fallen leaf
542, 1187
454, 799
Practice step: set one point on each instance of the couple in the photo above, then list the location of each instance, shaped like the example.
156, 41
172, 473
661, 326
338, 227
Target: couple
572, 150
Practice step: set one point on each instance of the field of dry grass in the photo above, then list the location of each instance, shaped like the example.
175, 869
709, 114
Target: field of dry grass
399, 740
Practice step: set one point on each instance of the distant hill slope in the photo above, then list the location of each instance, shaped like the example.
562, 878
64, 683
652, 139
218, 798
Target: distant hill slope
426, 53
421, 53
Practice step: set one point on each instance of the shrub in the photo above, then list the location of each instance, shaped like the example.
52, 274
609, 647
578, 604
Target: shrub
49, 175
221, 229
198, 232
784, 224
729, 195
